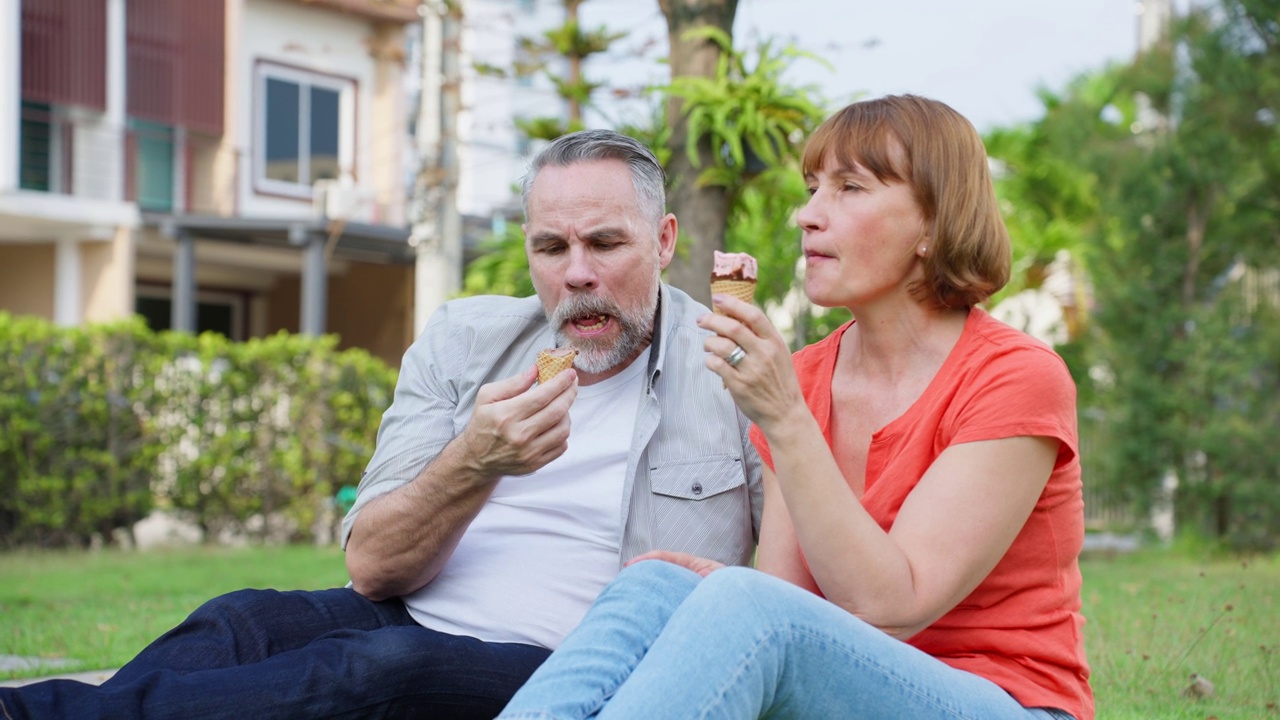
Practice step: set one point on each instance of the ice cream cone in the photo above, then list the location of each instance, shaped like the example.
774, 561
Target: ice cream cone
744, 290
551, 362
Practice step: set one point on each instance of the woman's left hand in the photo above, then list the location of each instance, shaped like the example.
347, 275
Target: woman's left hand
700, 565
762, 380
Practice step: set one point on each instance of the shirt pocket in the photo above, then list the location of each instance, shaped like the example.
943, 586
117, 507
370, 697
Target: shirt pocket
698, 479
702, 506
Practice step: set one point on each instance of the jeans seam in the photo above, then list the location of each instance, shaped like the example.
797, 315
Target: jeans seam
723, 691
886, 671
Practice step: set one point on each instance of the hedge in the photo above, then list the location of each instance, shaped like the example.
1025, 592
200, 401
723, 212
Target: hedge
99, 424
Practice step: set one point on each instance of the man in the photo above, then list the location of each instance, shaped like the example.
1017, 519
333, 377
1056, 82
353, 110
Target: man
494, 509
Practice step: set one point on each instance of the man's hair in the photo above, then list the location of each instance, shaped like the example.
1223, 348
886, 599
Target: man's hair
590, 145
940, 156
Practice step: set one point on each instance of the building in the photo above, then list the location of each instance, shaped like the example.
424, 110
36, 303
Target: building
229, 165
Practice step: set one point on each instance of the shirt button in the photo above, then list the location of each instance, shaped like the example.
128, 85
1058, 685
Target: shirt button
697, 488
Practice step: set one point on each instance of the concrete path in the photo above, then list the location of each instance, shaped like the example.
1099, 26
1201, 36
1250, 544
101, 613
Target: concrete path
19, 662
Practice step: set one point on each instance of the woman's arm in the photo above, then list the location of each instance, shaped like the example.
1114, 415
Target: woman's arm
952, 529
950, 532
779, 550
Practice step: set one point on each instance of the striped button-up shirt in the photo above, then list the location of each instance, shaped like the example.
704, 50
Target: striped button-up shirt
693, 478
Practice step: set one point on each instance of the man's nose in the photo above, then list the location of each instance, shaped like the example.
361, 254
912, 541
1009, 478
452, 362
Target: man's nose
580, 272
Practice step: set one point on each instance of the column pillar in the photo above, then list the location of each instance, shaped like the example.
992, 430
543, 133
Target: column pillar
183, 310
315, 279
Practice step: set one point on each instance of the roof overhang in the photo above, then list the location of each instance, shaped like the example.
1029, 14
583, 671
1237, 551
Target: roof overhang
399, 11
367, 242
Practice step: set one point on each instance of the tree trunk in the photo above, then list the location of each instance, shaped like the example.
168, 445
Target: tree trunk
702, 211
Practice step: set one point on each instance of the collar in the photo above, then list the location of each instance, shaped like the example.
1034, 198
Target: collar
661, 328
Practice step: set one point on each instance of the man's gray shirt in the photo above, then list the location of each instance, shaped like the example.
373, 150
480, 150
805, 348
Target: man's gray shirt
693, 479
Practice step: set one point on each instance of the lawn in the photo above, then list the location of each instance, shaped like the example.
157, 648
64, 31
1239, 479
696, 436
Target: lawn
1153, 617
101, 608
1156, 618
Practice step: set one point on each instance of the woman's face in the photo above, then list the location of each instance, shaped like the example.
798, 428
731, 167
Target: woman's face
862, 238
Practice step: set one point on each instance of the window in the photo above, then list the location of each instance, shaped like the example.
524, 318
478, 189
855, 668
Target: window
37, 148
153, 164
304, 130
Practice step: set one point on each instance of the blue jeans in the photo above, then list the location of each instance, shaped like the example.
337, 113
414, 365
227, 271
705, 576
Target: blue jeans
660, 643
267, 654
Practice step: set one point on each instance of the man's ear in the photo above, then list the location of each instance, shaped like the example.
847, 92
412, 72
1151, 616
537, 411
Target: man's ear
668, 231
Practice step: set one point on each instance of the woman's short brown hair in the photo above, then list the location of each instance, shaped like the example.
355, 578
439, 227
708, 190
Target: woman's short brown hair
940, 156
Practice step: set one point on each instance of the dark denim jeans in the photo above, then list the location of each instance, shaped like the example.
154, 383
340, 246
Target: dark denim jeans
267, 654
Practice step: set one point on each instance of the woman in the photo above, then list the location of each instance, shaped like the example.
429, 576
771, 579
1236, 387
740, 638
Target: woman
923, 509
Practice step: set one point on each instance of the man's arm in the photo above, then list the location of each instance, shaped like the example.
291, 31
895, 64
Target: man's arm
399, 541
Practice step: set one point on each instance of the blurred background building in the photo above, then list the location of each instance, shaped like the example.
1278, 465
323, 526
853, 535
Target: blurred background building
237, 166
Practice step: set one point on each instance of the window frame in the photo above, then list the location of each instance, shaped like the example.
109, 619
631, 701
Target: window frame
54, 123
305, 79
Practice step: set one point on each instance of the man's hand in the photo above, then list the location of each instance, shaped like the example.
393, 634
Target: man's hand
700, 565
517, 428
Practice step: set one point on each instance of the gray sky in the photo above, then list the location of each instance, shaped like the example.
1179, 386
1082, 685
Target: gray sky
983, 57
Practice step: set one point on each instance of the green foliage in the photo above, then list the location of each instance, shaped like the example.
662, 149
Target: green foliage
102, 421
1163, 179
547, 128
749, 112
502, 268
75, 458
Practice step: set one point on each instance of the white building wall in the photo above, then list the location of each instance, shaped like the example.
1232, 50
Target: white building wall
10, 91
492, 158
302, 37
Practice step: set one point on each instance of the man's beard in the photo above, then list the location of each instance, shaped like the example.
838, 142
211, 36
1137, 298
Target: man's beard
596, 355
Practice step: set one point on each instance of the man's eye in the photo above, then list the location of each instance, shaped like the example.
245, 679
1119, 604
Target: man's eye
552, 249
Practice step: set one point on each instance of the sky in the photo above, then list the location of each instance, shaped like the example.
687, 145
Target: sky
985, 58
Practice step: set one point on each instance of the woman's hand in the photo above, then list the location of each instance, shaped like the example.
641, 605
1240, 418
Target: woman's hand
700, 565
763, 382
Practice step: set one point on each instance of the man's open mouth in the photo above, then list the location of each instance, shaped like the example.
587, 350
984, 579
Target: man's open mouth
588, 324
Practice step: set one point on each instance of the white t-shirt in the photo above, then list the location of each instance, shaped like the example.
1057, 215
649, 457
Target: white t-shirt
544, 544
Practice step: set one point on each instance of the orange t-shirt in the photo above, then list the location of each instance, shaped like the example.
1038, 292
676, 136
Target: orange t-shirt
1021, 627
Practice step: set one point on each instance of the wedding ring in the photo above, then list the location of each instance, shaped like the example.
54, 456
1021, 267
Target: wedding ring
736, 356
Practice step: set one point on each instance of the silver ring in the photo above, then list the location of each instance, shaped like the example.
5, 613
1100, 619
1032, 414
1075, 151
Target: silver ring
736, 356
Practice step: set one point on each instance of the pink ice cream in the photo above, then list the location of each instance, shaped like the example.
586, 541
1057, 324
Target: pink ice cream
733, 266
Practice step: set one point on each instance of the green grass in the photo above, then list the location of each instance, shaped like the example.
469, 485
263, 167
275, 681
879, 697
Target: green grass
101, 608
1153, 618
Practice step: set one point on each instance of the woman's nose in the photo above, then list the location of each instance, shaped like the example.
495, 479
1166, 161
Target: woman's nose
810, 216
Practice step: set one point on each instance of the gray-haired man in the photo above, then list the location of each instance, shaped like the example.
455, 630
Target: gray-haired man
495, 508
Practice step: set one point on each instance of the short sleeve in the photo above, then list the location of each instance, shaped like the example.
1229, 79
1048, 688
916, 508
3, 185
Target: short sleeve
419, 422
1025, 390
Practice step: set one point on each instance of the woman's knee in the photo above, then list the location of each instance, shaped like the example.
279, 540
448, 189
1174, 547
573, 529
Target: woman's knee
655, 575
741, 592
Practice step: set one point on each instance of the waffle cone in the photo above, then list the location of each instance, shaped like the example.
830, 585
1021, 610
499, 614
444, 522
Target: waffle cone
744, 290
550, 365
